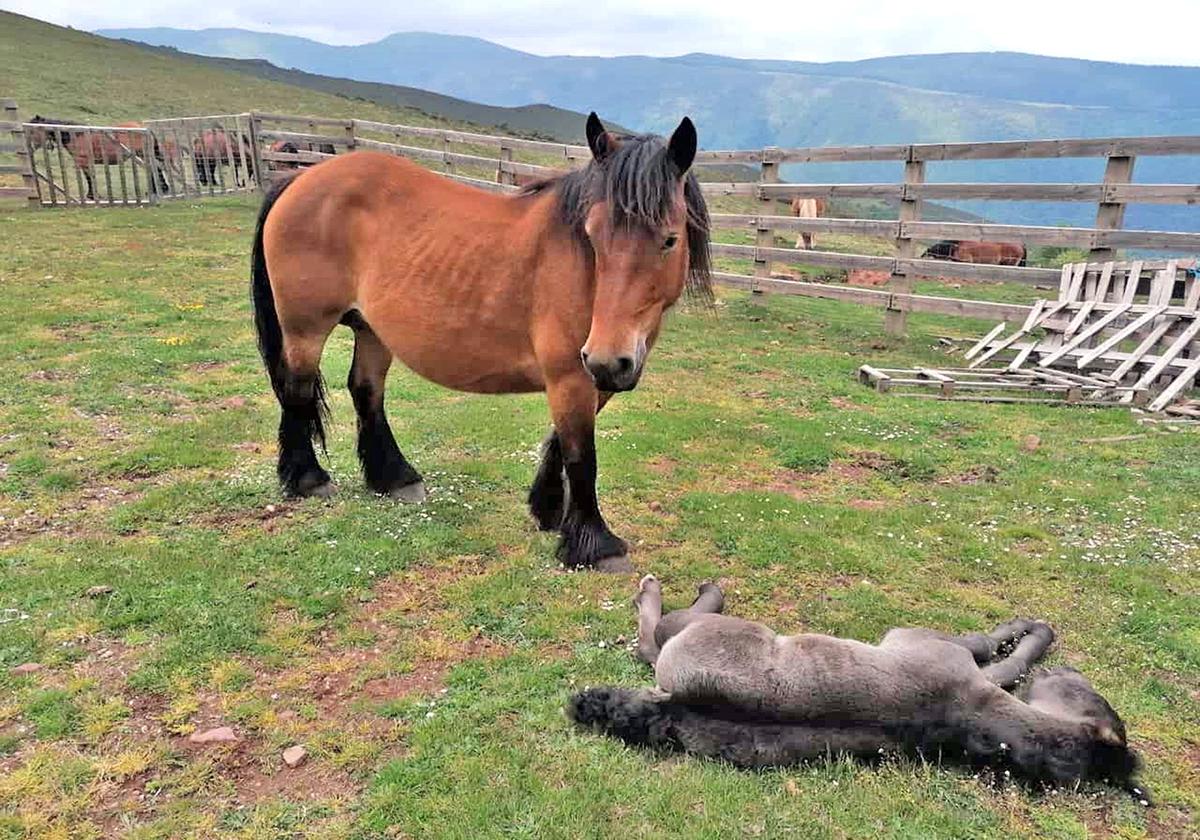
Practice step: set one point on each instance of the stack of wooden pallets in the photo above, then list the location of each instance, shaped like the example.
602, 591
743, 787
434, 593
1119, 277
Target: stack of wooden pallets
1124, 333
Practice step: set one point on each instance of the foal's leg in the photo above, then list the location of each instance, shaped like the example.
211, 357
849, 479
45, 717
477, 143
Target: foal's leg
1033, 646
548, 494
654, 630
384, 466
301, 395
586, 539
649, 608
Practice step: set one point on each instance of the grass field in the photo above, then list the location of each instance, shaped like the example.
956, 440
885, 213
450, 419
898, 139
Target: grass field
422, 655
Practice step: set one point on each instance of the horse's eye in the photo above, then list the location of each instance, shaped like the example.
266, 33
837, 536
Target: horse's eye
670, 242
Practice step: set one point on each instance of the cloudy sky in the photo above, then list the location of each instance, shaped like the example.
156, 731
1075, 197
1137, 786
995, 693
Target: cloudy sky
796, 29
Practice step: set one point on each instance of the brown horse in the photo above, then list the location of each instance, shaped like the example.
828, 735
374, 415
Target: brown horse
213, 148
808, 208
989, 253
560, 288
291, 148
98, 146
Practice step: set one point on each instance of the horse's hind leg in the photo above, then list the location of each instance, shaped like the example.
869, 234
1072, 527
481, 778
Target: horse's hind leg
1007, 672
709, 599
384, 466
301, 395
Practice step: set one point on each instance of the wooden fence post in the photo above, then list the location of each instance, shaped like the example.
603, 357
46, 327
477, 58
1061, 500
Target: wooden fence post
1110, 215
895, 319
764, 236
504, 176
260, 177
24, 164
351, 140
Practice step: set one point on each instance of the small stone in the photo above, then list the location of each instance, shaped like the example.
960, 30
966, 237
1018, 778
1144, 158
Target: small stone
295, 756
656, 507
28, 668
1031, 443
97, 591
220, 735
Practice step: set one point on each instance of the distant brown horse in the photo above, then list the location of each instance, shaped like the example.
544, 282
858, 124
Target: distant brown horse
808, 208
560, 288
89, 147
291, 148
989, 253
213, 148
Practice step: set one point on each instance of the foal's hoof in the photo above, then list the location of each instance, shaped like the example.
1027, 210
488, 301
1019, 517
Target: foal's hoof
409, 494
311, 490
614, 565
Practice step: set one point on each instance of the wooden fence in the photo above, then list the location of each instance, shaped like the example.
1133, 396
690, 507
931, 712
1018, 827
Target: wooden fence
263, 145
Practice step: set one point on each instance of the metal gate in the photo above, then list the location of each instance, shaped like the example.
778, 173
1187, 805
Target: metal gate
94, 165
77, 165
203, 156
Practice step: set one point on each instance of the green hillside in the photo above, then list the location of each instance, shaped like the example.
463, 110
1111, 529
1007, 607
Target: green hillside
537, 121
68, 74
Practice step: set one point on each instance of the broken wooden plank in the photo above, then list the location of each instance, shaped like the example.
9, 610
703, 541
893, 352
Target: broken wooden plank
1177, 346
874, 376
1177, 384
1019, 334
995, 331
1142, 349
1119, 336
1094, 329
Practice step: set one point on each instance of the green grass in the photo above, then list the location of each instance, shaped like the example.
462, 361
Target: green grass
136, 454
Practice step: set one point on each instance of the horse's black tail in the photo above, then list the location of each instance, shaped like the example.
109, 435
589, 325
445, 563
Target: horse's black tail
266, 323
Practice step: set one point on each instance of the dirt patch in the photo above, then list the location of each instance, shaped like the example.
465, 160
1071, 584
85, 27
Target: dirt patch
862, 277
662, 465
268, 518
49, 376
69, 516
207, 367
979, 474
867, 504
801, 485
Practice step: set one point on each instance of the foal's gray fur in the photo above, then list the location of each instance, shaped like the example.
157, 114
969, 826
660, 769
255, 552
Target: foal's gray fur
734, 689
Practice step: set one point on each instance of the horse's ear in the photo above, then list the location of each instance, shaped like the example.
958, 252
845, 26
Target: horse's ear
682, 145
599, 140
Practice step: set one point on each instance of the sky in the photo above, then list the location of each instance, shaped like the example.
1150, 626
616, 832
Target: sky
795, 29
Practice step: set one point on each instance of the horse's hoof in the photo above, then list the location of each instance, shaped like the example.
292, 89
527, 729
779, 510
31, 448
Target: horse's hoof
614, 565
647, 586
409, 494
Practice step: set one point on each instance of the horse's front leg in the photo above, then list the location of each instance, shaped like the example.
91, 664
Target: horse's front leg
548, 493
586, 540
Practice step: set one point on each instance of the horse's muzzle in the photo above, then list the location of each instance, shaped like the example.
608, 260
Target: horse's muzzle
612, 374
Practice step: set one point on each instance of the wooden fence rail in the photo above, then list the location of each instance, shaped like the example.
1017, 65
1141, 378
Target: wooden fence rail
489, 161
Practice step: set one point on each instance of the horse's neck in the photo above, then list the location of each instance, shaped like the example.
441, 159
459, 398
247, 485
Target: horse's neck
999, 720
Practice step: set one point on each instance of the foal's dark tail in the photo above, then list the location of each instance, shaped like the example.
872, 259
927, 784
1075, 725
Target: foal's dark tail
266, 324
638, 717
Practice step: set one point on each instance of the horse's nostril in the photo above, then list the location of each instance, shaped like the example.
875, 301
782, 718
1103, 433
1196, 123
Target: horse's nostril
583, 354
624, 365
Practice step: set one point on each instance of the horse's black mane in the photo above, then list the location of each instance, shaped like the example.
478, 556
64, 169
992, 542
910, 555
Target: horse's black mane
638, 180
60, 134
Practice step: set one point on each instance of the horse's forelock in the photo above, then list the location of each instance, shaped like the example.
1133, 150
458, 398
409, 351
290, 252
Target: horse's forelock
638, 181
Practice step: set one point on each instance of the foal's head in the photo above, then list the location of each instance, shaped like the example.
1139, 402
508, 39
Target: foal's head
1103, 753
640, 210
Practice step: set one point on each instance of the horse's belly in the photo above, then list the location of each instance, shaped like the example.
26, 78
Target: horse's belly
481, 359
